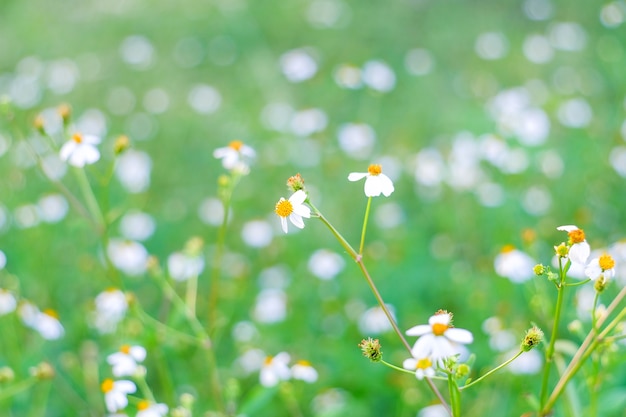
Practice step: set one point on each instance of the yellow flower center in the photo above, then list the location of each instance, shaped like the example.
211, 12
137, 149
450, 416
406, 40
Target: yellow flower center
423, 364
107, 385
606, 262
507, 249
143, 405
268, 360
77, 137
576, 236
439, 329
284, 208
303, 362
374, 169
236, 145
50, 312
125, 349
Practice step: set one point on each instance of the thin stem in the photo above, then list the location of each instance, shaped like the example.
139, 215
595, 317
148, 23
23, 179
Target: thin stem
553, 337
593, 310
12, 390
397, 368
365, 218
497, 368
191, 294
145, 389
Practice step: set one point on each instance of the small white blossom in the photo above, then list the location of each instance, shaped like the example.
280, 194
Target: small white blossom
80, 150
46, 322
125, 361
275, 369
514, 264
579, 249
182, 266
423, 367
304, 371
147, 409
375, 181
438, 339
293, 209
115, 393
235, 155
128, 256
111, 307
603, 265
7, 302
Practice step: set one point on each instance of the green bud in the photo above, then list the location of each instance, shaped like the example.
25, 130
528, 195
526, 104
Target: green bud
533, 337
371, 349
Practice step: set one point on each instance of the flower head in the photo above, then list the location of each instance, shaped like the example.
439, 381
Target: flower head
293, 209
422, 367
8, 302
235, 155
514, 264
111, 307
304, 371
275, 369
578, 247
125, 361
148, 409
371, 349
603, 265
115, 393
438, 339
533, 337
80, 150
375, 181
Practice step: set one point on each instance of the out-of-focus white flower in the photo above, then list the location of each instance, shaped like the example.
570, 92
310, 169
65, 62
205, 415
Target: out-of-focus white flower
375, 181
257, 233
52, 208
298, 65
80, 150
377, 75
148, 409
325, 264
3, 257
529, 363
136, 225
128, 256
125, 361
133, 170
438, 339
275, 369
115, 393
514, 264
422, 367
603, 265
235, 156
46, 322
579, 249
8, 302
111, 307
436, 410
304, 371
293, 209
270, 306
374, 320
182, 266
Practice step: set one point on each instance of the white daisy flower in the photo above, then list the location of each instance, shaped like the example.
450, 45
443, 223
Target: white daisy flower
111, 307
423, 367
46, 322
8, 302
235, 155
275, 369
128, 256
375, 181
579, 249
604, 265
115, 393
514, 264
80, 150
183, 266
125, 361
304, 371
147, 409
438, 339
294, 209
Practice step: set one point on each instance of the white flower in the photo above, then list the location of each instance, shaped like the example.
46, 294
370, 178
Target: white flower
46, 322
275, 369
235, 155
7, 302
514, 264
438, 339
375, 181
604, 265
128, 256
422, 367
303, 371
294, 209
80, 150
115, 393
125, 361
182, 266
111, 307
578, 247
146, 409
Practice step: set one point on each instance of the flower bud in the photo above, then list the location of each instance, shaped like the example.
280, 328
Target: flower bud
39, 124
600, 284
295, 183
371, 349
533, 337
65, 111
539, 269
562, 250
6, 374
122, 143
43, 370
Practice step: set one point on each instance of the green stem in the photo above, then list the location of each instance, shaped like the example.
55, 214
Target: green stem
191, 294
90, 199
553, 337
365, 218
145, 389
497, 368
18, 387
455, 396
164, 328
397, 368
594, 317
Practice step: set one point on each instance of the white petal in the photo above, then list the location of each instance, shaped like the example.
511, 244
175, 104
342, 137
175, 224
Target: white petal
91, 139
593, 270
76, 159
567, 228
283, 224
424, 346
579, 252
125, 386
67, 149
296, 220
302, 210
90, 154
138, 353
419, 330
440, 319
386, 185
410, 364
372, 186
222, 152
297, 198
355, 176
459, 335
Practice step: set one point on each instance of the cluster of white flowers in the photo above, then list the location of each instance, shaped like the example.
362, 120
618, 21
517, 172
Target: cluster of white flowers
579, 251
126, 363
276, 369
437, 341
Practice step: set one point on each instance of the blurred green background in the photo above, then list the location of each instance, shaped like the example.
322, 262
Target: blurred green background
497, 120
